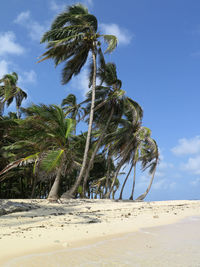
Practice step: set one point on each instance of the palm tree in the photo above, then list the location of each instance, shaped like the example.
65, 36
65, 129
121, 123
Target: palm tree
10, 91
45, 140
72, 109
124, 183
73, 35
108, 104
149, 159
124, 139
143, 135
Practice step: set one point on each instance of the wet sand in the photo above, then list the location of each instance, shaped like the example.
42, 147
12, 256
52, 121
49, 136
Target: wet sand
170, 245
101, 233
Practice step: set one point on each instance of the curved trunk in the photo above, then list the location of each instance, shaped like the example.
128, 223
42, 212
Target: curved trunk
95, 151
113, 193
72, 191
107, 195
133, 188
53, 194
120, 196
142, 197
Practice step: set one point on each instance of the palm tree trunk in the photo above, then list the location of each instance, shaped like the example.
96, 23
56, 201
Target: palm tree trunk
53, 194
72, 191
133, 188
108, 171
142, 197
113, 193
18, 114
34, 186
107, 195
95, 150
120, 196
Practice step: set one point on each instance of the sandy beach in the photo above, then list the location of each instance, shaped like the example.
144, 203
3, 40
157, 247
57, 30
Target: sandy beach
35, 226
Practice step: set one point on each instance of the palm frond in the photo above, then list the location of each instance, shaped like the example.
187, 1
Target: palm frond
51, 160
74, 66
111, 40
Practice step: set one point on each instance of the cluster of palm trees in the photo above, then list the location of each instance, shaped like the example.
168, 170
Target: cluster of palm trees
41, 153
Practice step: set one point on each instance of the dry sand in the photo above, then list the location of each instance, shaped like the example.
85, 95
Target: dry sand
51, 227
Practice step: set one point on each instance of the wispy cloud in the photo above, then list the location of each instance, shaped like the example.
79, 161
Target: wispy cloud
27, 77
9, 44
187, 146
54, 6
60, 6
161, 183
192, 165
123, 35
80, 82
34, 28
3, 67
22, 17
163, 166
88, 2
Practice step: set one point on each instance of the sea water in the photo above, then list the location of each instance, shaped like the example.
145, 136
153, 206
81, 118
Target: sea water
168, 246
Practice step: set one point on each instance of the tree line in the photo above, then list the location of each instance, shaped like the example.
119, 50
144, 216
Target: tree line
42, 155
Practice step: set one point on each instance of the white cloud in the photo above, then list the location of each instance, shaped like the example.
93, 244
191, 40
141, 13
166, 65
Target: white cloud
88, 2
163, 184
3, 67
34, 28
192, 165
160, 184
9, 45
187, 146
54, 6
159, 174
123, 35
163, 166
143, 181
80, 82
27, 77
22, 17
59, 7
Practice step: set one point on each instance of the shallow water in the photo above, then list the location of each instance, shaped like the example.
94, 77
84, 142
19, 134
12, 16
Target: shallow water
171, 245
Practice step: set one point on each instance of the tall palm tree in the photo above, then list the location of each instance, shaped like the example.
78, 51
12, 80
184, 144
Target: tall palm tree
10, 91
73, 35
108, 104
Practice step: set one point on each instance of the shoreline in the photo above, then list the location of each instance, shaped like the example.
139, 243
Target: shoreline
53, 227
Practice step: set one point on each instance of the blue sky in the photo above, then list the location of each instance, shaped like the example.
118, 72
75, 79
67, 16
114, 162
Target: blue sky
158, 61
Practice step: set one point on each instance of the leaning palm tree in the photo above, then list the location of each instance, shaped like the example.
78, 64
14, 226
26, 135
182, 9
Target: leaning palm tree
109, 103
44, 139
73, 35
149, 159
123, 141
10, 91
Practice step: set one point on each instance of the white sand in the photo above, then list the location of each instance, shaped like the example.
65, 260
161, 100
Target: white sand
53, 227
